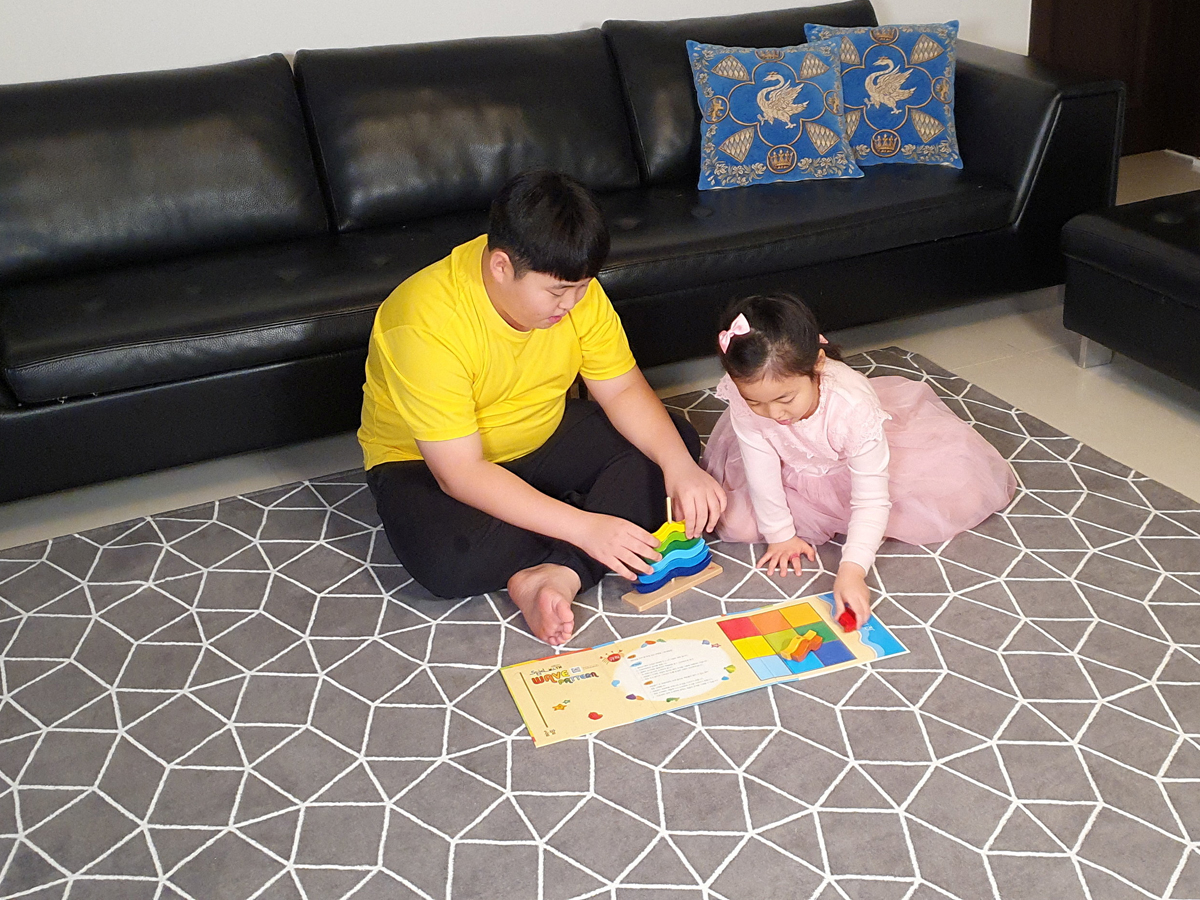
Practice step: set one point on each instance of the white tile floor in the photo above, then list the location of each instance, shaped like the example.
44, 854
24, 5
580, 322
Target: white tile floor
1014, 347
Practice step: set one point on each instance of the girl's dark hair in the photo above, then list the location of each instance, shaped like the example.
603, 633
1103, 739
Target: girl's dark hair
784, 339
548, 222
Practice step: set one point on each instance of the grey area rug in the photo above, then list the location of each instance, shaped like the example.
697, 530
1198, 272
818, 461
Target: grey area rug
251, 699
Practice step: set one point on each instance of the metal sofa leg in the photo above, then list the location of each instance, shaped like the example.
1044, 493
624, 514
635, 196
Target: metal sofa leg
1092, 354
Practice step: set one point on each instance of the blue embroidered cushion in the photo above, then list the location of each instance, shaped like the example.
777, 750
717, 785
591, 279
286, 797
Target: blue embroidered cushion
898, 84
772, 114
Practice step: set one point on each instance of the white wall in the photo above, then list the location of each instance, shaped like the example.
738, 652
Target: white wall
47, 39
1000, 23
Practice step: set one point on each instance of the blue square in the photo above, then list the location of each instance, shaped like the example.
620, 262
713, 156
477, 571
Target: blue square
898, 87
833, 652
770, 114
766, 667
811, 661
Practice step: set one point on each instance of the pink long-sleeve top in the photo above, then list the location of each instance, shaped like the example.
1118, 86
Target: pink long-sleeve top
845, 430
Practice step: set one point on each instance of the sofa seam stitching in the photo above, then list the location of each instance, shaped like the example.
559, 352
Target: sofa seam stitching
180, 340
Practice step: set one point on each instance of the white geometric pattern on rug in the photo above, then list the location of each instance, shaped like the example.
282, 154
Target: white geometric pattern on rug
232, 701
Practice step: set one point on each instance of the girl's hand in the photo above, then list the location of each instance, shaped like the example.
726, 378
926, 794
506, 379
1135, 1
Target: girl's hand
788, 551
696, 498
618, 544
850, 590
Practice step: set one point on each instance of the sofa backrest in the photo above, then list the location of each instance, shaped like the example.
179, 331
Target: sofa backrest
656, 76
415, 130
95, 171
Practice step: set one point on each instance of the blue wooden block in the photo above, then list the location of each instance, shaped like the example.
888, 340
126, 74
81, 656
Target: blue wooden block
674, 572
678, 556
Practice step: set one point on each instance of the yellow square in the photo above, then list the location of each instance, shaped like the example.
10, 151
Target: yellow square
753, 647
800, 614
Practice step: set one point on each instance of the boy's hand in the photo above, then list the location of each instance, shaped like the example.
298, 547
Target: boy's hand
785, 552
696, 498
618, 544
850, 590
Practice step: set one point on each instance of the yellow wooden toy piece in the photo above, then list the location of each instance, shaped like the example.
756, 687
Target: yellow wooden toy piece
667, 530
799, 647
812, 642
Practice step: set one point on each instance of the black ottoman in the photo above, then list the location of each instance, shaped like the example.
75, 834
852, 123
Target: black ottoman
1133, 284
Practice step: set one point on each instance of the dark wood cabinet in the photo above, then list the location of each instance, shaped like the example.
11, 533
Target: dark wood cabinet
1151, 45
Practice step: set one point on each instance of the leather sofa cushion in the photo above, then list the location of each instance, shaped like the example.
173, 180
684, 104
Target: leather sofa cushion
155, 323
1155, 243
673, 238
657, 78
149, 324
419, 130
96, 171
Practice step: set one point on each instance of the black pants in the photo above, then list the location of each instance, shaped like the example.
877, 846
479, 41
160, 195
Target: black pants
455, 550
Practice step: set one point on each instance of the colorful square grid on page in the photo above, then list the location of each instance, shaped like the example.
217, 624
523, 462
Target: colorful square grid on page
760, 639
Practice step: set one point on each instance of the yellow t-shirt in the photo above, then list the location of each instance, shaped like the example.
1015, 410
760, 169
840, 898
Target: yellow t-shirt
443, 364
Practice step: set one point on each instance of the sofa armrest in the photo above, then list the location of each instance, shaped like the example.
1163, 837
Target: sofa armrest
1053, 138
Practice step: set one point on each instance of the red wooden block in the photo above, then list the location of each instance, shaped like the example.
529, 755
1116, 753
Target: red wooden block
847, 621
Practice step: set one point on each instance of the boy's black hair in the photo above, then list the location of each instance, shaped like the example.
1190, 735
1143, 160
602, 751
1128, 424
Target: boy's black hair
550, 223
784, 339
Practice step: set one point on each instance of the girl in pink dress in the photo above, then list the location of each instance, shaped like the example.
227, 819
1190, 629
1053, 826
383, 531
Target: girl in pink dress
810, 448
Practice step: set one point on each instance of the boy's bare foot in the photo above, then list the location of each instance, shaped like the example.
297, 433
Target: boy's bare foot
544, 594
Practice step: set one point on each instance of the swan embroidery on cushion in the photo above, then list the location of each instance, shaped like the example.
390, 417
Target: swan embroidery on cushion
776, 102
887, 87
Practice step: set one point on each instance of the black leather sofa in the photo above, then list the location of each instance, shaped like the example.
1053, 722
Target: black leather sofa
1133, 284
190, 260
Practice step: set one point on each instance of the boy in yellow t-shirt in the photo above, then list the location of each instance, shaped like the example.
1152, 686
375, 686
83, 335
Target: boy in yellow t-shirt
485, 475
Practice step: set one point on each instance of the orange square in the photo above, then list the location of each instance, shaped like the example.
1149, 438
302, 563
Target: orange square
770, 621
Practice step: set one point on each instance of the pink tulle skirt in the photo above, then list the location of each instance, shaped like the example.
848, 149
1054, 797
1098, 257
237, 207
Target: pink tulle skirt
944, 478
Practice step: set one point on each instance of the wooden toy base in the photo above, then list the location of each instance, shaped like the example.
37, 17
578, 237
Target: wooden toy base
643, 602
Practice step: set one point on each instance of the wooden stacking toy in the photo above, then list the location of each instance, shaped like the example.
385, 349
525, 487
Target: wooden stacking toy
685, 563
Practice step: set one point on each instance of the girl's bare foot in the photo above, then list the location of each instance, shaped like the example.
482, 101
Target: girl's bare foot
544, 594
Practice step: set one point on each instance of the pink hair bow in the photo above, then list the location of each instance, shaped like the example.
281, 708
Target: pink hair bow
736, 327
